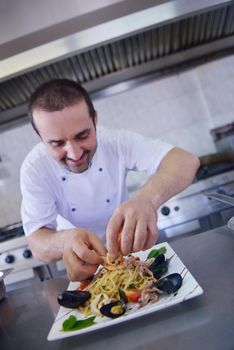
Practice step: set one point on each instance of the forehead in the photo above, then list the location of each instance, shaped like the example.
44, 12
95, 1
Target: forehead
64, 123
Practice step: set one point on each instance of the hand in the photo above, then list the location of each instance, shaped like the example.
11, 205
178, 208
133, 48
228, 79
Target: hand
132, 227
82, 254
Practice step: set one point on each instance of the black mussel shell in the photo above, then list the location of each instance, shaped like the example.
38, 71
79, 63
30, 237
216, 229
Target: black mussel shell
170, 284
159, 266
73, 298
123, 296
113, 310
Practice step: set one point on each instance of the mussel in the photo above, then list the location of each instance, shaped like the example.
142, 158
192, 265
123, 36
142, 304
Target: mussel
114, 309
73, 298
123, 297
169, 284
159, 266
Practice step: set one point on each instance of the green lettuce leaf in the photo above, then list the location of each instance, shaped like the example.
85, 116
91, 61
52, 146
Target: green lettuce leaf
155, 252
72, 324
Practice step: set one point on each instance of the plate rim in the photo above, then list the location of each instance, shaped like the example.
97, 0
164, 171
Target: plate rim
198, 290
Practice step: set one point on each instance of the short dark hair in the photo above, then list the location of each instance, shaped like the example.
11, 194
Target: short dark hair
55, 95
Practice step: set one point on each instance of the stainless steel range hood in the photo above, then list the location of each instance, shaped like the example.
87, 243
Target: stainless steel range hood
140, 42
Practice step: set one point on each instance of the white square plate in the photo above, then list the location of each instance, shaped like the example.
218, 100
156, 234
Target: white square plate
189, 289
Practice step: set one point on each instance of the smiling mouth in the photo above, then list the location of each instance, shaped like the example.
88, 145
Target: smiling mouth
79, 161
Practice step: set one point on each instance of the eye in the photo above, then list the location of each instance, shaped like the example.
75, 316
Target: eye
56, 144
82, 136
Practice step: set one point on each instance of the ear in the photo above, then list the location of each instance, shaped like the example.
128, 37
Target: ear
95, 119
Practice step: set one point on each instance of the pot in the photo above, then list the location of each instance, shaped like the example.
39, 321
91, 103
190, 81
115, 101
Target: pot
3, 274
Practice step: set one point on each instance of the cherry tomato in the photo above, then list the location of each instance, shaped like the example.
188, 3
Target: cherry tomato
133, 295
84, 284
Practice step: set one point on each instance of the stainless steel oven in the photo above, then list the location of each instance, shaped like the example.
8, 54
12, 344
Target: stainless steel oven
15, 253
192, 212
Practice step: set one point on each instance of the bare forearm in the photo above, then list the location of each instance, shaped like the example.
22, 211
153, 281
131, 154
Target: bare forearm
46, 244
176, 172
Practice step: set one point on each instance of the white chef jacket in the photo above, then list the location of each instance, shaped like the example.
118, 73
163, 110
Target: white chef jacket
87, 199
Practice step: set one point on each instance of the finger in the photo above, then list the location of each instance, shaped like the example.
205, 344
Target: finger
112, 232
140, 236
127, 237
82, 250
85, 272
97, 245
77, 269
90, 249
73, 265
152, 235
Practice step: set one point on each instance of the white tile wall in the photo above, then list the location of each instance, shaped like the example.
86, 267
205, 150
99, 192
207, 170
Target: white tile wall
14, 145
180, 109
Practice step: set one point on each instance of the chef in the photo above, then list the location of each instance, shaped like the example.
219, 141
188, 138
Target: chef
78, 171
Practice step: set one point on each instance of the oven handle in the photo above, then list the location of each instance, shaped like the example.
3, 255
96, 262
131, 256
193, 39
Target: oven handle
225, 199
220, 197
5, 273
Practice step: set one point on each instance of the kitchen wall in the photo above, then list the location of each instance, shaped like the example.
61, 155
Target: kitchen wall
180, 109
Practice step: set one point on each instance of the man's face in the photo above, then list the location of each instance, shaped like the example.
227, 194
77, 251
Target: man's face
69, 135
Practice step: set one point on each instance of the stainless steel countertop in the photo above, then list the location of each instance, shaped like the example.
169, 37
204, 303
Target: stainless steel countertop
205, 322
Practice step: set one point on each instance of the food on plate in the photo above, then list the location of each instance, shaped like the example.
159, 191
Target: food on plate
155, 252
170, 284
121, 282
113, 309
113, 264
115, 280
73, 298
72, 324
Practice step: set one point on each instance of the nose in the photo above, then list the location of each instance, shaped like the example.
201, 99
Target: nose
74, 151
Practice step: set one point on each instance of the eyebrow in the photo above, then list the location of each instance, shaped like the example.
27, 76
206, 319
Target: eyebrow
76, 136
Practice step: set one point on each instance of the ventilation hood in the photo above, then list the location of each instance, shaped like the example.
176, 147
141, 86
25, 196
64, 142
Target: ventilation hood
114, 46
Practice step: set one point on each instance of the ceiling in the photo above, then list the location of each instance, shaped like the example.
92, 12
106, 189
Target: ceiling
137, 45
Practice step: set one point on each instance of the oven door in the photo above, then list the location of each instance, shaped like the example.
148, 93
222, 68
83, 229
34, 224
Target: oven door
184, 229
199, 225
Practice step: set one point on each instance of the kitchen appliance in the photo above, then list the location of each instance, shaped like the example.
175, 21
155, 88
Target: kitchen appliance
220, 197
2, 286
225, 199
15, 253
3, 274
192, 211
113, 48
223, 137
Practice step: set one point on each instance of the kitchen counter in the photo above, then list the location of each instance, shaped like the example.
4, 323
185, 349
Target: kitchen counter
205, 322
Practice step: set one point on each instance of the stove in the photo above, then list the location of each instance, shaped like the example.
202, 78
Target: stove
15, 253
11, 231
191, 211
